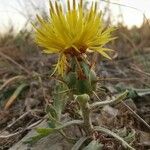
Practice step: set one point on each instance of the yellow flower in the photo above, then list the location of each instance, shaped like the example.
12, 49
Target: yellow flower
72, 32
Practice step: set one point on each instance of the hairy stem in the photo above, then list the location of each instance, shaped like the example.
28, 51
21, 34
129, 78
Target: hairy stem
84, 105
120, 98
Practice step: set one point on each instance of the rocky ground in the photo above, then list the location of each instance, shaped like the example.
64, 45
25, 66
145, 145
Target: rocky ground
26, 88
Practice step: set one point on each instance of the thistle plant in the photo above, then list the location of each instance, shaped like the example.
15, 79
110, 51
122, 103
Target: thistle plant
72, 34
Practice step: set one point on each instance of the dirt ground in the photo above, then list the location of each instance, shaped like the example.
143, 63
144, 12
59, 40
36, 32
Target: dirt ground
26, 86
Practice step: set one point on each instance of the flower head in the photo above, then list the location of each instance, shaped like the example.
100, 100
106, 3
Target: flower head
72, 32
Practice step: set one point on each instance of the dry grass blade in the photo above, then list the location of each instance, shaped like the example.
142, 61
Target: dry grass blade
18, 119
137, 116
120, 79
14, 62
11, 80
14, 96
107, 131
137, 69
11, 135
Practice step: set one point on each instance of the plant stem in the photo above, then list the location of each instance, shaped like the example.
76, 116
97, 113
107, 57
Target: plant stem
85, 108
87, 119
121, 97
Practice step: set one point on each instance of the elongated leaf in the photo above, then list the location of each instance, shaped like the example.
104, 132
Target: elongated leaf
121, 97
15, 95
34, 139
94, 145
59, 99
52, 111
79, 143
104, 130
43, 132
69, 123
130, 137
11, 80
85, 68
133, 92
53, 116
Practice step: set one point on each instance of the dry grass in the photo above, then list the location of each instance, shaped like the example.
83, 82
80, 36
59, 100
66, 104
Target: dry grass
21, 62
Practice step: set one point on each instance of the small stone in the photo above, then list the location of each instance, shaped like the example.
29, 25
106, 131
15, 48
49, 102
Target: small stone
107, 116
109, 112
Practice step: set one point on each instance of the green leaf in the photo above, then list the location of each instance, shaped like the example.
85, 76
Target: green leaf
59, 98
14, 96
83, 86
142, 92
93, 79
69, 123
85, 68
51, 123
50, 110
79, 143
118, 99
133, 92
122, 132
34, 139
104, 130
43, 132
130, 137
71, 79
5, 94
94, 145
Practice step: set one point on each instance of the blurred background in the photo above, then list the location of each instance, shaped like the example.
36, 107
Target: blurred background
25, 82
19, 13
